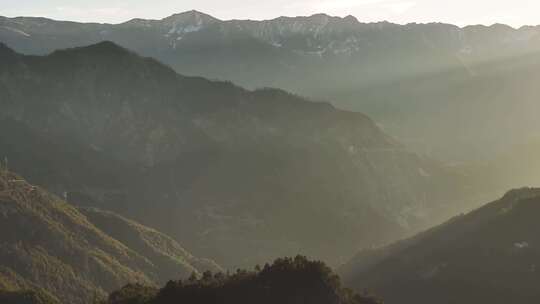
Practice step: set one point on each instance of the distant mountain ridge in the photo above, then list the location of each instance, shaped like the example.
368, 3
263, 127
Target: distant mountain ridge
320, 39
228, 172
274, 31
403, 76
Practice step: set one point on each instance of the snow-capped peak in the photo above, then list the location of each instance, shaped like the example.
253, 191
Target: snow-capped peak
194, 18
187, 22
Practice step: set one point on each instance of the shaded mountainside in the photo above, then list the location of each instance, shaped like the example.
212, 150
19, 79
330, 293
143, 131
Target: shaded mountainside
229, 172
48, 244
490, 255
26, 297
287, 281
403, 76
16, 290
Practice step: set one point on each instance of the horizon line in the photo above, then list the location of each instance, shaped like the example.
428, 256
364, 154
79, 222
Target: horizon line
278, 17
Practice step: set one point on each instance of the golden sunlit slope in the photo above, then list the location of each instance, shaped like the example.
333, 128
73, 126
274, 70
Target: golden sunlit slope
46, 243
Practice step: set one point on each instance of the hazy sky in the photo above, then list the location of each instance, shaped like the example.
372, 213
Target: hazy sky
461, 12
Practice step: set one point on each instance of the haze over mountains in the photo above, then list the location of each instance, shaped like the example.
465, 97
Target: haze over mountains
228, 172
406, 77
143, 169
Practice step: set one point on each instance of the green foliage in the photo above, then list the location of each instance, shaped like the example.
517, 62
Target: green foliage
133, 294
286, 281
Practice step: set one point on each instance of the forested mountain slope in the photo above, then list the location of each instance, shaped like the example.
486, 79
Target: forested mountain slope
490, 255
48, 244
286, 280
26, 297
229, 172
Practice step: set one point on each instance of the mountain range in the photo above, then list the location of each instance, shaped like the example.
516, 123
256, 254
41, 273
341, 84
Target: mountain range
240, 176
487, 256
121, 161
431, 85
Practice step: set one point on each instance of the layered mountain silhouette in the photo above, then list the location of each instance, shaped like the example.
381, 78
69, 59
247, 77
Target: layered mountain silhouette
239, 176
431, 85
487, 256
51, 247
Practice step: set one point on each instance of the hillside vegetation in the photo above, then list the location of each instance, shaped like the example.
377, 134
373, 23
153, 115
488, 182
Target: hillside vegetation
26, 297
229, 173
285, 281
490, 255
47, 243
